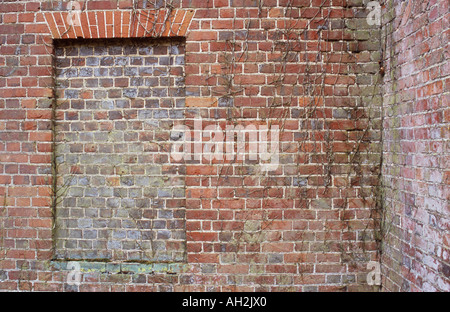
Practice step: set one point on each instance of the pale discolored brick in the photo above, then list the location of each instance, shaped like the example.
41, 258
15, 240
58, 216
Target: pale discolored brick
114, 154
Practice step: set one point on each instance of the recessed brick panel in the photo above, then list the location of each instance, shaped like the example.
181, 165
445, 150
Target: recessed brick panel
120, 197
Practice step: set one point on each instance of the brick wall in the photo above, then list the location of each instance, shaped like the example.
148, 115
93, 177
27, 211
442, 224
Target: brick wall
309, 68
416, 159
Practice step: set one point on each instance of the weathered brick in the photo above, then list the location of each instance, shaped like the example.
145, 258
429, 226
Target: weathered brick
406, 132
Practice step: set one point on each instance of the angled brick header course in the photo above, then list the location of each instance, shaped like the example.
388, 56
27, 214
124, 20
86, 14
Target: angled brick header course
119, 24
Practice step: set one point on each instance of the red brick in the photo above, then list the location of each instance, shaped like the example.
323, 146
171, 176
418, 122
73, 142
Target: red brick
203, 258
102, 5
202, 236
41, 136
12, 114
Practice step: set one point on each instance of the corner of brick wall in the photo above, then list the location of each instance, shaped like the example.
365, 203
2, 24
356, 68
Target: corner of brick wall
416, 159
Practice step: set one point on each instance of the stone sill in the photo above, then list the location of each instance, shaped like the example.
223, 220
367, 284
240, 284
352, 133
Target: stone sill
122, 267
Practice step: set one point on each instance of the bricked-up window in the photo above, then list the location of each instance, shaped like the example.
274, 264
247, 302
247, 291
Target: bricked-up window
119, 195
